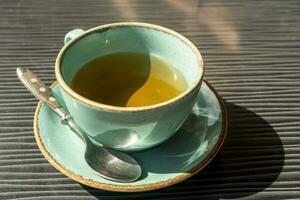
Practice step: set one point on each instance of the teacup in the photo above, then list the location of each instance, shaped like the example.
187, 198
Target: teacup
129, 128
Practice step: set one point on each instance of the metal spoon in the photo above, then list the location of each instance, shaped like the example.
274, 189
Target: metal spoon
108, 163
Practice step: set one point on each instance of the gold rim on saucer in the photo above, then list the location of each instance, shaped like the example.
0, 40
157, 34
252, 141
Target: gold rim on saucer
133, 188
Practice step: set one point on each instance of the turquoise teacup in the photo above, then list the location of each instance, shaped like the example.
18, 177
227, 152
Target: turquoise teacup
129, 128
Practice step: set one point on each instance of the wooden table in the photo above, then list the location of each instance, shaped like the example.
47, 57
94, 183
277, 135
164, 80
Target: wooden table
252, 55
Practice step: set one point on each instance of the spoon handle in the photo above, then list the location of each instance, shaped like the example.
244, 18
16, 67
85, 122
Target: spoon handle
40, 90
44, 94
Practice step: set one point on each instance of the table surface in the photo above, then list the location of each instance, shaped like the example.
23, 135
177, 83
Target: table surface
252, 56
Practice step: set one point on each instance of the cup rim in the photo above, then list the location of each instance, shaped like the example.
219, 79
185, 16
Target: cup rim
100, 106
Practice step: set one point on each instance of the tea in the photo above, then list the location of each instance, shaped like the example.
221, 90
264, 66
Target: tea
129, 80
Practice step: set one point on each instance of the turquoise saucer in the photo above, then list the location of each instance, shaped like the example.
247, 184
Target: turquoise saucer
183, 155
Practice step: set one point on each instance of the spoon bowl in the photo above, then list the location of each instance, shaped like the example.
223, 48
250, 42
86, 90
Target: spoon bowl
112, 165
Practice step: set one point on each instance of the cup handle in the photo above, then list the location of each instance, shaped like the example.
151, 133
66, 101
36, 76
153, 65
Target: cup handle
72, 34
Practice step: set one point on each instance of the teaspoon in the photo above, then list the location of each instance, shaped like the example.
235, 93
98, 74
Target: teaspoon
110, 164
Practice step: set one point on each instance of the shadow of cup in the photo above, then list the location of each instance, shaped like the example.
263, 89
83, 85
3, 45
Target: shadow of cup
250, 160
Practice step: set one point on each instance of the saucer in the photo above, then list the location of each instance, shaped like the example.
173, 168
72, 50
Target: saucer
187, 152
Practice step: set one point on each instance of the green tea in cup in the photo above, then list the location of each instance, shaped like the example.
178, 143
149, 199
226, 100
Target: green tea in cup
129, 80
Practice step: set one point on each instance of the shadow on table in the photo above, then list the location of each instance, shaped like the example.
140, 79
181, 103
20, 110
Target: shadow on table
250, 160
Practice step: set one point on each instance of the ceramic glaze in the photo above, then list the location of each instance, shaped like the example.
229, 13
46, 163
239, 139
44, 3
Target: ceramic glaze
125, 128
